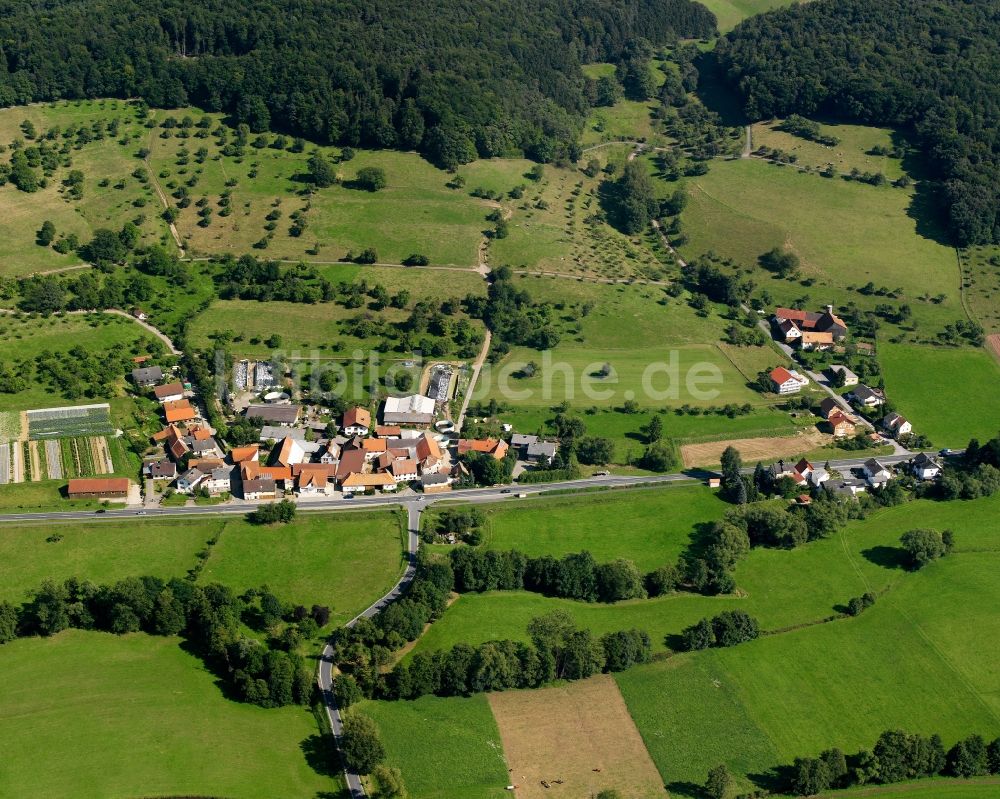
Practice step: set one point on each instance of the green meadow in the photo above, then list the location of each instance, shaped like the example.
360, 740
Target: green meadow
136, 715
730, 13
344, 560
949, 395
798, 692
854, 151
846, 234
650, 527
101, 552
320, 326
444, 748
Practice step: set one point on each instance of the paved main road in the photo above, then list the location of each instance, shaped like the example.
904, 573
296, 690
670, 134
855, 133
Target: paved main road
498, 493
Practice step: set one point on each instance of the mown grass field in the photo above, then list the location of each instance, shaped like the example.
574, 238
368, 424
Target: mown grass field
345, 561
655, 344
846, 234
853, 151
101, 552
949, 395
138, 716
926, 789
729, 13
649, 527
445, 748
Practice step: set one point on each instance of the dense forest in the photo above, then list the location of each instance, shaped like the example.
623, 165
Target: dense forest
451, 78
929, 65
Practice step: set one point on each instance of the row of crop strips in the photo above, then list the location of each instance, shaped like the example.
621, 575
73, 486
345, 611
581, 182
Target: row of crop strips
77, 457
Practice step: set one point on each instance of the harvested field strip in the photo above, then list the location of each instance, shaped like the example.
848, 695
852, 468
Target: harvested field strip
573, 741
53, 459
17, 463
753, 449
4, 464
101, 455
37, 460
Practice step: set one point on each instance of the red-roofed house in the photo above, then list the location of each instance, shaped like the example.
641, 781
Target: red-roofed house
787, 381
357, 422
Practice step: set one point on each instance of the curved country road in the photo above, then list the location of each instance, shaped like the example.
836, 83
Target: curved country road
325, 678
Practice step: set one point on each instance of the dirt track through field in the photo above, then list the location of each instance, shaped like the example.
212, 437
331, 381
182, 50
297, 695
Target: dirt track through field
753, 449
580, 734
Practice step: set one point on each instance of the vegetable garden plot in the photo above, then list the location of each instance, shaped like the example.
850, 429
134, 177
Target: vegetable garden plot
70, 421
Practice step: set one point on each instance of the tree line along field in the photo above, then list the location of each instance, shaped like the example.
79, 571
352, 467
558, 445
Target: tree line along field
792, 692
191, 747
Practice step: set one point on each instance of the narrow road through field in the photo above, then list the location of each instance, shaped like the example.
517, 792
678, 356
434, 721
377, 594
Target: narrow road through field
477, 367
325, 676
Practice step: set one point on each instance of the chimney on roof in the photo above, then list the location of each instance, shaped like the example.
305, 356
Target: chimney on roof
829, 309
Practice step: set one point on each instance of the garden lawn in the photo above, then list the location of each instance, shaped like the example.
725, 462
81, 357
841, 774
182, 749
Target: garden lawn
147, 719
343, 560
846, 234
949, 395
445, 748
650, 527
101, 552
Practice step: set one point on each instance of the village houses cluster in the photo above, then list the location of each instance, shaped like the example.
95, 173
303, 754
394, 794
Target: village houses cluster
812, 331
296, 454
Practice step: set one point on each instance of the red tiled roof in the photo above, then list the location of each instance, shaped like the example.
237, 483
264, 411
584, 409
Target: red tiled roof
357, 416
91, 485
168, 390
780, 375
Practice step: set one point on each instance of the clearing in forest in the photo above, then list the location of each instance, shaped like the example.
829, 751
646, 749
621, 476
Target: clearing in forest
572, 741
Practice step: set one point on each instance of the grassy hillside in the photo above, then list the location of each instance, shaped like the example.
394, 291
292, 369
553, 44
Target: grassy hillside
948, 394
846, 234
147, 719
